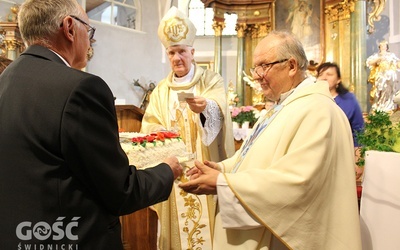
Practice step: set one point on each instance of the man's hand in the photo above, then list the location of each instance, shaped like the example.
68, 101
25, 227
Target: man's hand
197, 104
174, 165
204, 181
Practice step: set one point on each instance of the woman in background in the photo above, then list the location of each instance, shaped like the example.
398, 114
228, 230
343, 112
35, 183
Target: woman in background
346, 100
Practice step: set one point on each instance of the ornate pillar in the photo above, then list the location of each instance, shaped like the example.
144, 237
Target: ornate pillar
12, 41
240, 90
253, 34
218, 26
249, 13
338, 38
358, 52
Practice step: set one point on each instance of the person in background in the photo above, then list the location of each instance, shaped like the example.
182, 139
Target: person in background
384, 67
4, 62
282, 188
269, 104
202, 120
65, 179
346, 100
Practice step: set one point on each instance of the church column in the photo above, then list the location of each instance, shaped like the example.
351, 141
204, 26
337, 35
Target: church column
240, 89
11, 47
218, 27
12, 43
358, 51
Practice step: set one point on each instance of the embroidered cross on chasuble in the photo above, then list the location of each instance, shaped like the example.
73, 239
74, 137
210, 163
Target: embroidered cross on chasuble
263, 124
184, 123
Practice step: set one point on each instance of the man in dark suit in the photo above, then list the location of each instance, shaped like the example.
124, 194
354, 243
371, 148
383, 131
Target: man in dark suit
64, 179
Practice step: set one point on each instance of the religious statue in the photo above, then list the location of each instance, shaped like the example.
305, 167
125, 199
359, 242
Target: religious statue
13, 15
147, 92
232, 96
258, 96
383, 77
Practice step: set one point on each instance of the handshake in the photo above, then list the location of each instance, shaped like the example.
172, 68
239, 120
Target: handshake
202, 178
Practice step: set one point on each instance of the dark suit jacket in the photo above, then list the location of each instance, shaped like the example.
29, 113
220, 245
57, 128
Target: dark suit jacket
64, 178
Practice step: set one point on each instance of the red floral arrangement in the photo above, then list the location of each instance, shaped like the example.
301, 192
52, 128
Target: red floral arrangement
154, 137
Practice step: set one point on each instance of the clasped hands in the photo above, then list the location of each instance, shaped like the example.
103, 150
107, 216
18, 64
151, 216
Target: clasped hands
202, 178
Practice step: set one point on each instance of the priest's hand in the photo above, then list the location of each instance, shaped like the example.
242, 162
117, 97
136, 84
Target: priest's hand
194, 172
174, 165
205, 181
197, 104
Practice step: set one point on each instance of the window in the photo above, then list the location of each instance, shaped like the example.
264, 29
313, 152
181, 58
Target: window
122, 13
202, 18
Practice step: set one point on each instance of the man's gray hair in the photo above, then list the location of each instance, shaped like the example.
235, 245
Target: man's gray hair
39, 20
290, 47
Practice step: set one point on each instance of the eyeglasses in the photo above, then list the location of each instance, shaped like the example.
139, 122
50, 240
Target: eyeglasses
264, 67
91, 29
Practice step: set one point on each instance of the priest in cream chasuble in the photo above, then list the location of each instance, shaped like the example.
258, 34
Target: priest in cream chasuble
291, 185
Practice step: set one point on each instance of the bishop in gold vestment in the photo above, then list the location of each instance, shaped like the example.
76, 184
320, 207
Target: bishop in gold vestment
203, 122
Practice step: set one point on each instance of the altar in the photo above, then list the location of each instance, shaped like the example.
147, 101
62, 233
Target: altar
239, 135
380, 201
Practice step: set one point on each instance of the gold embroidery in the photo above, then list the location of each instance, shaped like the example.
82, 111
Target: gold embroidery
192, 218
175, 29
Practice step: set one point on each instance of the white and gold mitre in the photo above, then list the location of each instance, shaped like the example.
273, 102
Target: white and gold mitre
176, 29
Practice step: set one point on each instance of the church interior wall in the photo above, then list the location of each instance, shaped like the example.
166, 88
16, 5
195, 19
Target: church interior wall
204, 47
122, 55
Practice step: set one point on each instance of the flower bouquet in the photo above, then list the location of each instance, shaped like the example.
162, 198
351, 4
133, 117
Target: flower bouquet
244, 114
154, 138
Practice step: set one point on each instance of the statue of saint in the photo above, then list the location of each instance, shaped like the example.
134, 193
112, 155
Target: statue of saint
383, 77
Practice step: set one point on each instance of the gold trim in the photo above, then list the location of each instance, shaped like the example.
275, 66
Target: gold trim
374, 15
218, 27
339, 11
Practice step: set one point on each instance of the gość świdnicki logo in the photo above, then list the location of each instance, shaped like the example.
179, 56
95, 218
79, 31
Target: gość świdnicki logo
50, 234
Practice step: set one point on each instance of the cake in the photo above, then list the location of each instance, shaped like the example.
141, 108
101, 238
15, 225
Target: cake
145, 151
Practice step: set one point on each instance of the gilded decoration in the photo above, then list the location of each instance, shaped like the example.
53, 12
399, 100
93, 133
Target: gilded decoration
192, 226
175, 29
241, 29
262, 30
11, 43
218, 27
259, 30
374, 14
340, 11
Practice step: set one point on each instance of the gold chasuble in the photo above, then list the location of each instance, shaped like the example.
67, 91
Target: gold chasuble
295, 177
186, 220
185, 124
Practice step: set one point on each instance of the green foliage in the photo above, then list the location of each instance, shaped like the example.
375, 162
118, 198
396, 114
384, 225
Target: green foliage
378, 134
